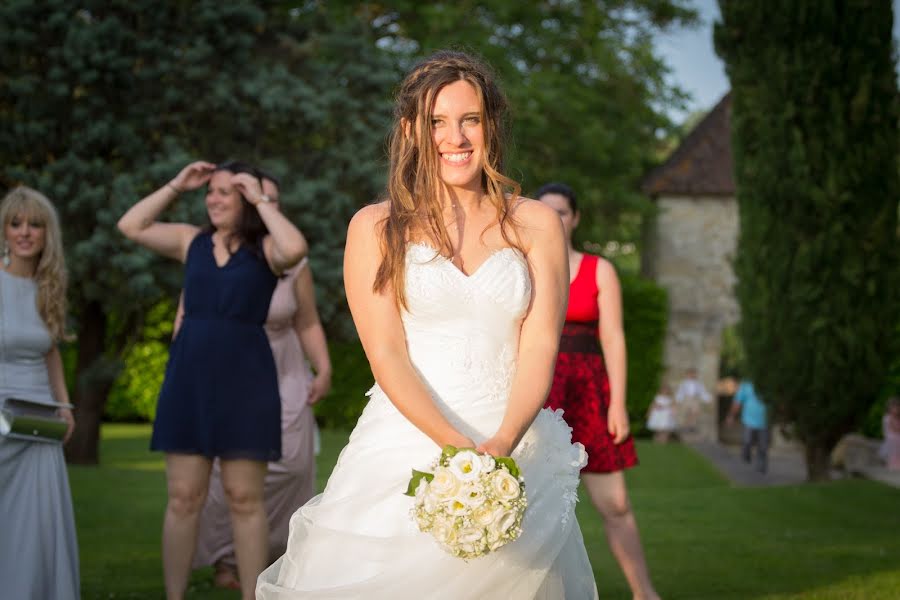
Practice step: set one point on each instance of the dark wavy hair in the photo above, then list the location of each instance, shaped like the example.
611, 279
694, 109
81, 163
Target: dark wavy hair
250, 230
559, 188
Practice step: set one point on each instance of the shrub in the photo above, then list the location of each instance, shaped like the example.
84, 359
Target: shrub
645, 314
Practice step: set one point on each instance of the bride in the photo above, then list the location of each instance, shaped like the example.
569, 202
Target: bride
457, 287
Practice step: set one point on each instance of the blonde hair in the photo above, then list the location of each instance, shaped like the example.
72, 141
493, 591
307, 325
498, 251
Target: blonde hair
414, 182
50, 275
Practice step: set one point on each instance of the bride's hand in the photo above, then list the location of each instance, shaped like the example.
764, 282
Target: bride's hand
496, 446
459, 441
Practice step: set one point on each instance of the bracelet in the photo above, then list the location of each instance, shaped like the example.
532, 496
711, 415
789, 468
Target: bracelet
174, 189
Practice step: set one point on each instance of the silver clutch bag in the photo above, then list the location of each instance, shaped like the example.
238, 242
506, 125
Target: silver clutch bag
31, 420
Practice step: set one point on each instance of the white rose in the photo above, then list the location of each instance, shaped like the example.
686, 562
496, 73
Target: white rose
444, 532
485, 514
503, 522
505, 487
445, 483
466, 465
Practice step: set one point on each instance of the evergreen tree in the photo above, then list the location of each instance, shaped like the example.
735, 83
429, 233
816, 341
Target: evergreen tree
815, 137
101, 103
586, 85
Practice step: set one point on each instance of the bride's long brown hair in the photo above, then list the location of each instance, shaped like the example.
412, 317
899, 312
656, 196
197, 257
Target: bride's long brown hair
414, 182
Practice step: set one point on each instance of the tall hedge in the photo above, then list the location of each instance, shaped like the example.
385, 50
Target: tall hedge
815, 138
645, 310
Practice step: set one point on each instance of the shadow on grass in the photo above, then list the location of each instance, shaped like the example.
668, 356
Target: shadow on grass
703, 538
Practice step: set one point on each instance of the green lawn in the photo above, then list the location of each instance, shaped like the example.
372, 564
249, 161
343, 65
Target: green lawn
703, 538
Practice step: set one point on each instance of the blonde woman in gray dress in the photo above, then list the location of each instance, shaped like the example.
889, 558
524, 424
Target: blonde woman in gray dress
35, 501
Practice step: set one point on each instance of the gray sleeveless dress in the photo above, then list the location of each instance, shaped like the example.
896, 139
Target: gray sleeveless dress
38, 547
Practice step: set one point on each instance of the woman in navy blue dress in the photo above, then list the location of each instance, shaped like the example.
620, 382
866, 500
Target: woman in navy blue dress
220, 397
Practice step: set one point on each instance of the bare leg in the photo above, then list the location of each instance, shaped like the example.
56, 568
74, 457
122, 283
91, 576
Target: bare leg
187, 477
608, 494
243, 481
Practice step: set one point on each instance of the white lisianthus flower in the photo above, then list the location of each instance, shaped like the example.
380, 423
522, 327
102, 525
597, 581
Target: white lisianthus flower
457, 507
430, 501
505, 487
493, 545
471, 541
466, 465
471, 495
445, 484
470, 535
420, 490
488, 463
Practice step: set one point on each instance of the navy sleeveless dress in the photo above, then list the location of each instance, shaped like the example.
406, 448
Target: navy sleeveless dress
220, 396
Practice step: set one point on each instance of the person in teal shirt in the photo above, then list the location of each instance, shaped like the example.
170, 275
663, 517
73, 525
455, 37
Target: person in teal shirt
754, 418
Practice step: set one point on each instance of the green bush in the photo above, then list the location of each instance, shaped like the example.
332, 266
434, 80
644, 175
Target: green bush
645, 313
350, 381
135, 390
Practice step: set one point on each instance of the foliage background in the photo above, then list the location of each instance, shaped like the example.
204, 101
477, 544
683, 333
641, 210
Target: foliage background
101, 103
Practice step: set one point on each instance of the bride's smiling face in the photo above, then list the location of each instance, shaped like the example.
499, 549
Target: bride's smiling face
458, 134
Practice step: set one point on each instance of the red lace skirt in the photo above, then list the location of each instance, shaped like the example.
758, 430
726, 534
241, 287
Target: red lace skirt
581, 389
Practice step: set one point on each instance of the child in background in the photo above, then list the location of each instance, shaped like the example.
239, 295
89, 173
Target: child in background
890, 424
661, 415
690, 395
755, 419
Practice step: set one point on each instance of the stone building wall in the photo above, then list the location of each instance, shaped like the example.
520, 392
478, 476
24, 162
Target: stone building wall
690, 252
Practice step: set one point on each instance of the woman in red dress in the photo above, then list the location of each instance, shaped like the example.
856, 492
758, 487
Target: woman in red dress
589, 385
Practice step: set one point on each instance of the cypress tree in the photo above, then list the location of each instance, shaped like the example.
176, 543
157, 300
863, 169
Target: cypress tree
814, 129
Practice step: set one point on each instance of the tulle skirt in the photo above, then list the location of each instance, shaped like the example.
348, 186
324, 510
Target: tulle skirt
357, 540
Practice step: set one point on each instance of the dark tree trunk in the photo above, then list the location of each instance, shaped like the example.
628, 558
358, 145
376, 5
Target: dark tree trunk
818, 462
90, 392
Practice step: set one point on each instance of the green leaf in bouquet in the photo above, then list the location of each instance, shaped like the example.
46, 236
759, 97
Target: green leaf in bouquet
417, 476
510, 465
449, 452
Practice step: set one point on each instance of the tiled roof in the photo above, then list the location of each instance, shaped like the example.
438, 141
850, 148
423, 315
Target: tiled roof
702, 164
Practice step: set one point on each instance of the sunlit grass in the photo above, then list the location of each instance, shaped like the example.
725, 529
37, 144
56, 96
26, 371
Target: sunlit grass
704, 539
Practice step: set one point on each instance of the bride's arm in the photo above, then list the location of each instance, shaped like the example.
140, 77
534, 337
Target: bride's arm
377, 320
544, 240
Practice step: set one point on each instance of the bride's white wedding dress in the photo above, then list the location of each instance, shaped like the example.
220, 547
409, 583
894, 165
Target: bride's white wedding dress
356, 540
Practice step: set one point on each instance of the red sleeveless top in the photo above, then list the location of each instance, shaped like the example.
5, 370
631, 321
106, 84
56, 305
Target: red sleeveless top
583, 292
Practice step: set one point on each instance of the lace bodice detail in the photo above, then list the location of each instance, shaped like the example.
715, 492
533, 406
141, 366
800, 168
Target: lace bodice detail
465, 325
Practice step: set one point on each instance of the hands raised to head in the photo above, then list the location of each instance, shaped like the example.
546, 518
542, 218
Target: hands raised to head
193, 176
249, 186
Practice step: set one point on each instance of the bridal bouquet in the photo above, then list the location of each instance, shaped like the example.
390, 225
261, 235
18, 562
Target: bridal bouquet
471, 504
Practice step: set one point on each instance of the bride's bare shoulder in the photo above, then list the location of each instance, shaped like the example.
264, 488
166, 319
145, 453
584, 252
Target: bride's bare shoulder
364, 225
532, 212
533, 220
